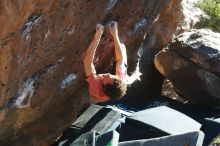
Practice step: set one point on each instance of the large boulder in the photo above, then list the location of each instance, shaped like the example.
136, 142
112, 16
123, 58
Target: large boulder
42, 82
192, 63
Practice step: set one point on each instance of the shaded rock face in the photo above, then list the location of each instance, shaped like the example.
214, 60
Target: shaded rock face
158, 36
192, 64
42, 82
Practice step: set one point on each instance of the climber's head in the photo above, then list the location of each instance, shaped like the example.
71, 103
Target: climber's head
114, 87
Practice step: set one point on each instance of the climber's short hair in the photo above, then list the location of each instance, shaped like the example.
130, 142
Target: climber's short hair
116, 90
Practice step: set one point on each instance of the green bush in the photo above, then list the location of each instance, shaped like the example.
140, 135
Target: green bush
211, 8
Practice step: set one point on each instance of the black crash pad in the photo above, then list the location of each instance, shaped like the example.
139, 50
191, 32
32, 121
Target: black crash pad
187, 139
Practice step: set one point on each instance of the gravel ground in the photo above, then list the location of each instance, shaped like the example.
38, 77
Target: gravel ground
216, 141
168, 90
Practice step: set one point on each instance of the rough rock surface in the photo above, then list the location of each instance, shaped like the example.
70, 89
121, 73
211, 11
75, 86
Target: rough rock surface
192, 64
42, 85
191, 16
159, 35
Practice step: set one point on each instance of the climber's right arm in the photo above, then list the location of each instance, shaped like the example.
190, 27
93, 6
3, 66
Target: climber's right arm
90, 52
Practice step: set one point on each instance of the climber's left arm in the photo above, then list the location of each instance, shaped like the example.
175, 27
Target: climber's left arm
120, 49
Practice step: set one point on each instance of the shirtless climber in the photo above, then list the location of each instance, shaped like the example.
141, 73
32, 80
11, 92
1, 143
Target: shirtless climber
104, 87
